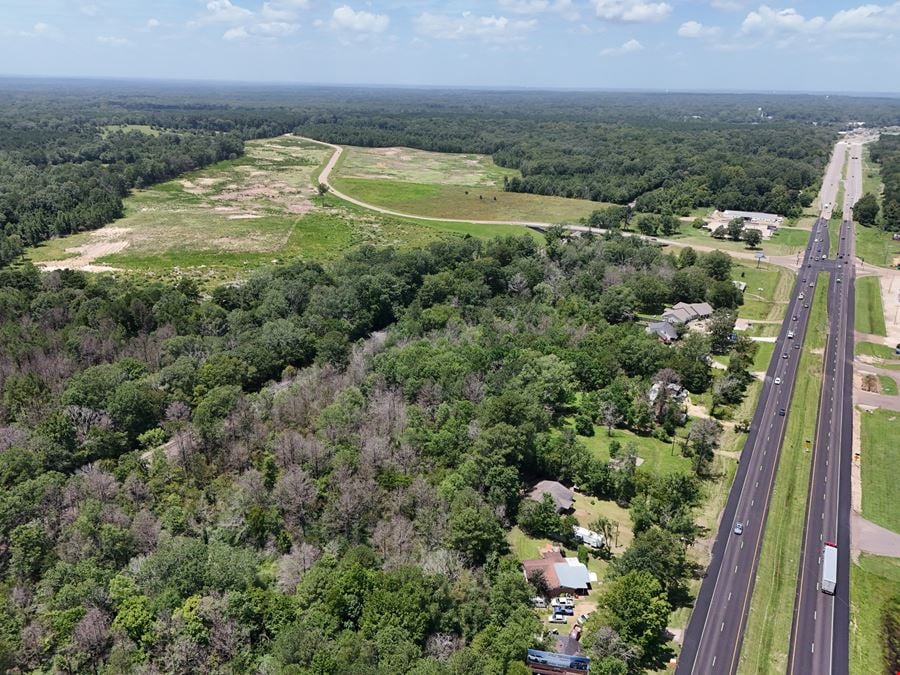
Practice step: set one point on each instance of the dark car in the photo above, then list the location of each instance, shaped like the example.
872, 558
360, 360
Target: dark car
782, 411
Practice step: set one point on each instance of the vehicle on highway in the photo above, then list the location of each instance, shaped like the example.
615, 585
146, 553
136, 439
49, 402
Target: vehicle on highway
805, 305
802, 296
839, 280
739, 528
784, 356
782, 411
777, 380
811, 284
797, 346
829, 567
790, 335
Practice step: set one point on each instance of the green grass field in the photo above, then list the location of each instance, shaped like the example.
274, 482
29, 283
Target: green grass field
834, 238
769, 624
763, 356
871, 175
220, 222
876, 351
444, 185
875, 247
880, 453
768, 290
787, 241
888, 385
872, 582
869, 310
658, 456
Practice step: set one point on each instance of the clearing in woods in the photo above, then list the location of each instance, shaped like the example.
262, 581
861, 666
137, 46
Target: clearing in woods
445, 185
218, 222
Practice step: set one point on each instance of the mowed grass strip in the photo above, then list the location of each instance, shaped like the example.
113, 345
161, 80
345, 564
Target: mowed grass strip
876, 351
869, 310
873, 581
768, 290
880, 453
767, 634
888, 385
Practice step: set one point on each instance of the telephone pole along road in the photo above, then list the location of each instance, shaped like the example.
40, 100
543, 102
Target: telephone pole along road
820, 629
715, 632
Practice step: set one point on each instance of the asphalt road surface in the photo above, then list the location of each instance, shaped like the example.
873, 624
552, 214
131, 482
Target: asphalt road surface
820, 629
713, 638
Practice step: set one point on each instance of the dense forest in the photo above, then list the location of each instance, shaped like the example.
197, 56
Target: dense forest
884, 212
314, 471
68, 156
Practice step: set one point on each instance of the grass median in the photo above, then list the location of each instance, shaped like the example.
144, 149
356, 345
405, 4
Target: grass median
767, 634
869, 310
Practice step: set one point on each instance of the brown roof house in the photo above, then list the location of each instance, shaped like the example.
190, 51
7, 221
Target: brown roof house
562, 575
562, 496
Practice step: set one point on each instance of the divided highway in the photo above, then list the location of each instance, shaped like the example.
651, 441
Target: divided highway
820, 629
715, 632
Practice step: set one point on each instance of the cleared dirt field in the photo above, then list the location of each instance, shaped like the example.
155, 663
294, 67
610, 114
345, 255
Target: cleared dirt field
236, 215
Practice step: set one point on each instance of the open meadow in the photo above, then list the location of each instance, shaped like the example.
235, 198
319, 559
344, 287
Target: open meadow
221, 221
445, 185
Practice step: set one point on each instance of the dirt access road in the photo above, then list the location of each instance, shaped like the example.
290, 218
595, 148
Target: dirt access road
782, 261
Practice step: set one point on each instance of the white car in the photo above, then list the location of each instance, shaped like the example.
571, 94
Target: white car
562, 601
777, 380
558, 618
790, 335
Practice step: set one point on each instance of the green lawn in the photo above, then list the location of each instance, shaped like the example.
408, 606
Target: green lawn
872, 582
658, 456
786, 241
888, 385
768, 290
763, 356
880, 453
871, 175
877, 351
875, 247
768, 628
869, 310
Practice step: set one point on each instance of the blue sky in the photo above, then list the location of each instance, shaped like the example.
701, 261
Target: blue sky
803, 45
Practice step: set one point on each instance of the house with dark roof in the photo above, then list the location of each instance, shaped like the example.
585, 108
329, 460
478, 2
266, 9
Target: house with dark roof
562, 496
664, 330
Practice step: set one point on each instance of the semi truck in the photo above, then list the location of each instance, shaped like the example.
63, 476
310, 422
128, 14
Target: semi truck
829, 567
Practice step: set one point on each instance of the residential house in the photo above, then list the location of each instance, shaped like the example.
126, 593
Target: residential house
562, 496
561, 574
685, 312
664, 330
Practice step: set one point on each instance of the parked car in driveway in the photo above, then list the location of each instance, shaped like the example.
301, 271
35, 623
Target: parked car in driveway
558, 618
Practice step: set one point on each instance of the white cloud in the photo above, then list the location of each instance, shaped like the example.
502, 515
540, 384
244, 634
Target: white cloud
628, 48
89, 10
283, 10
631, 11
152, 23
113, 41
40, 29
346, 19
564, 8
728, 5
865, 21
224, 11
239, 33
696, 30
473, 26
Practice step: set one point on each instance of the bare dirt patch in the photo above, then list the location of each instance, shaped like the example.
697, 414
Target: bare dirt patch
103, 242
